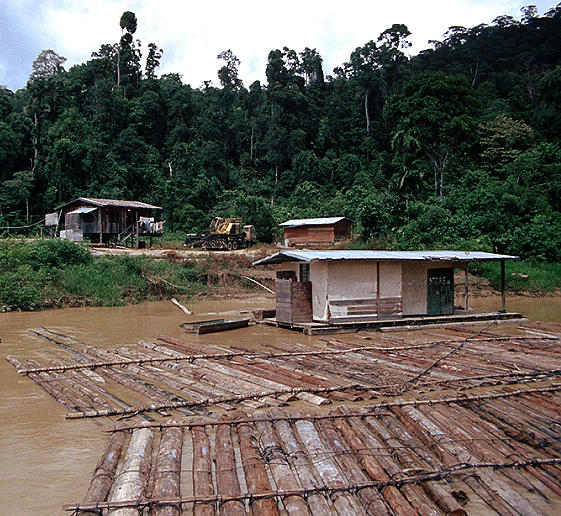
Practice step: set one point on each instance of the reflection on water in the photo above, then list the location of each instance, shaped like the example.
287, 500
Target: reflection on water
48, 461
534, 308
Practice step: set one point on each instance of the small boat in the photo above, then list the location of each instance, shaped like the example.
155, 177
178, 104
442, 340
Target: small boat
214, 325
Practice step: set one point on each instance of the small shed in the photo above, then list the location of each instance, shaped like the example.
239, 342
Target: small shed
103, 220
316, 232
340, 287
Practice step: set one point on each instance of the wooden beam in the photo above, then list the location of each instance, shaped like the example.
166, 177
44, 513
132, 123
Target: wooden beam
503, 288
466, 289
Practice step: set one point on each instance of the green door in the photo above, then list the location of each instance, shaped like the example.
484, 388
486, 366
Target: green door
440, 292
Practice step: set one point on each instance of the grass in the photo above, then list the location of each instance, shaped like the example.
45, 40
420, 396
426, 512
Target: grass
58, 273
524, 276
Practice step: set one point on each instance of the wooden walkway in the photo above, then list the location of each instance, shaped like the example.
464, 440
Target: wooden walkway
318, 328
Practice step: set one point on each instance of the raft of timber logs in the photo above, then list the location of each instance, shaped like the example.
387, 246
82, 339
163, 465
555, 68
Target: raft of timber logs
195, 378
215, 325
492, 456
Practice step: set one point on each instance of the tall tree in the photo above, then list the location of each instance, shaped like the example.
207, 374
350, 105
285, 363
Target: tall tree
152, 60
436, 113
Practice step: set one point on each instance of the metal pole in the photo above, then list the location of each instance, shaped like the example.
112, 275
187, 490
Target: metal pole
503, 289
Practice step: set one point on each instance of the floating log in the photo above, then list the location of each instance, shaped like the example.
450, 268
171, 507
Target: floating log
202, 472
227, 481
391, 493
57, 388
180, 306
167, 474
100, 484
254, 469
16, 363
459, 469
371, 498
317, 502
326, 467
131, 482
415, 496
499, 487
402, 444
280, 468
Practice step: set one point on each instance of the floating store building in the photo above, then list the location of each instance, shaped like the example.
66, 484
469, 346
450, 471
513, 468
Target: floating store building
342, 287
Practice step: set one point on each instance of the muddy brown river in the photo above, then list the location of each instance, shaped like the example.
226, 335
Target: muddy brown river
46, 460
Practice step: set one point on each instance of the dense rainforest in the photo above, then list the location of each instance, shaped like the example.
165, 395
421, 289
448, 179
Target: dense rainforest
458, 146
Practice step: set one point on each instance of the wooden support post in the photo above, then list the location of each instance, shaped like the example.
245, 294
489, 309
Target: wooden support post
466, 292
378, 288
100, 220
503, 288
137, 237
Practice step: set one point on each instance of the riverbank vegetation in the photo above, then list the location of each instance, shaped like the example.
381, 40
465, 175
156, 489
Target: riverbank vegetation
58, 273
456, 147
527, 277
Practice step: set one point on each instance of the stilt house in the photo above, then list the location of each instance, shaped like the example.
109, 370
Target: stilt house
323, 231
364, 286
103, 220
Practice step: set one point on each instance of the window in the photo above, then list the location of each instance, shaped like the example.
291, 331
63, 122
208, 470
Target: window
304, 272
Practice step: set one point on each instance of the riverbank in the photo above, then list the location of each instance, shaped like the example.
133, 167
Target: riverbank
40, 274
58, 274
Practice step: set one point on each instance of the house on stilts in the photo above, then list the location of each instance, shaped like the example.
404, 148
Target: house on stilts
367, 287
108, 220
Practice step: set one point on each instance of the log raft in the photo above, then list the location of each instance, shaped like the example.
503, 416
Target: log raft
396, 461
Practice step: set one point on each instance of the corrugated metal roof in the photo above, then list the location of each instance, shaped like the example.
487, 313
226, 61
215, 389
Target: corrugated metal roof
82, 210
312, 222
305, 255
112, 202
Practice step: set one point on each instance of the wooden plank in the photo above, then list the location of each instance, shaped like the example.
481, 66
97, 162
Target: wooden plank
346, 302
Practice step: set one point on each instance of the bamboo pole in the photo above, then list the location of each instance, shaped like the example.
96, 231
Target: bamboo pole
371, 408
184, 404
180, 306
92, 363
260, 284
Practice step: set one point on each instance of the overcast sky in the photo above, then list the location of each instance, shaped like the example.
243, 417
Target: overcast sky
193, 32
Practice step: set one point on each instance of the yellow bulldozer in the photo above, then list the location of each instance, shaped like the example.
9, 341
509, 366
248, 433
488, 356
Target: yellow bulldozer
224, 233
